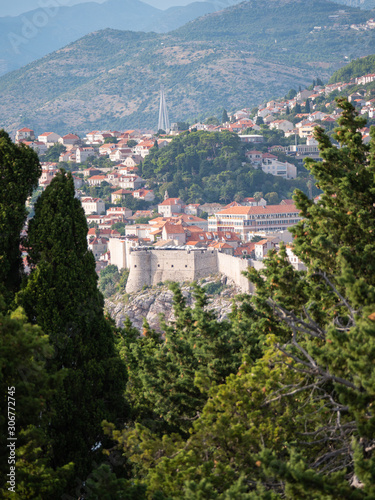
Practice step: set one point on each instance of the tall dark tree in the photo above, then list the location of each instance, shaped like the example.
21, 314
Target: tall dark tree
26, 387
62, 297
19, 173
307, 106
225, 117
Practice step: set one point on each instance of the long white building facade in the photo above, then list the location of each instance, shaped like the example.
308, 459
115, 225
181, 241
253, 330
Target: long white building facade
247, 220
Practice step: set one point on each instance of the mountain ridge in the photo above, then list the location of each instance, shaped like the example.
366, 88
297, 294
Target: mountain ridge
111, 78
36, 33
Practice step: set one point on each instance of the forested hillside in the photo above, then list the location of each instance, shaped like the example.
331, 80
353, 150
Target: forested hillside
206, 166
233, 58
359, 67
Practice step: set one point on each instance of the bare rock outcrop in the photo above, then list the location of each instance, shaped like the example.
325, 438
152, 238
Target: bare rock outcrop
152, 303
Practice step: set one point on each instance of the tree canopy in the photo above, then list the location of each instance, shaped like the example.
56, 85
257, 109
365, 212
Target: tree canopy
211, 166
62, 297
19, 172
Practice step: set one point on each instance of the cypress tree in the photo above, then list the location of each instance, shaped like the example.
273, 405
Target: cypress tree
19, 173
307, 106
62, 297
225, 117
26, 387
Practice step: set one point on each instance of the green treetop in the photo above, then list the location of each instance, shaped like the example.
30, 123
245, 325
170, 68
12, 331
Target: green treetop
27, 387
19, 172
62, 297
342, 220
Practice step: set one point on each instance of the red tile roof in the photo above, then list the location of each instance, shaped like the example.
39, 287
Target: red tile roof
173, 228
258, 210
172, 201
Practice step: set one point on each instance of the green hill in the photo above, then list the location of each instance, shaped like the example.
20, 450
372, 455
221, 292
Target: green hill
359, 67
236, 57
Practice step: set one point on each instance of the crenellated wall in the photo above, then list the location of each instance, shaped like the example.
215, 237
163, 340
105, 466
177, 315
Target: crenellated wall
150, 267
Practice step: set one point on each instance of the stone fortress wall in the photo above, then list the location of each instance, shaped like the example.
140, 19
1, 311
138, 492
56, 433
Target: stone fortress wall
148, 267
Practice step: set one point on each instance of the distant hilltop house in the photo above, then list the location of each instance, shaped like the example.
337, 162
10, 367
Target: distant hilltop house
99, 137
96, 180
25, 134
37, 146
144, 194
283, 125
119, 195
83, 153
271, 165
120, 154
106, 149
211, 208
69, 140
89, 172
130, 182
171, 206
306, 128
132, 160
252, 202
49, 138
119, 211
93, 205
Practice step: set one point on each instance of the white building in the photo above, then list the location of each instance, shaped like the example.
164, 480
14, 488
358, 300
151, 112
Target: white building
248, 220
93, 205
49, 138
82, 154
25, 134
279, 168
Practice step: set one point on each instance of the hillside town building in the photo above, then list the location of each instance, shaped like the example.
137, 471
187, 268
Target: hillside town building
245, 221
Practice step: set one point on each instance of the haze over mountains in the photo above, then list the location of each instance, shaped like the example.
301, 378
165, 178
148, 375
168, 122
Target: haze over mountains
237, 57
52, 24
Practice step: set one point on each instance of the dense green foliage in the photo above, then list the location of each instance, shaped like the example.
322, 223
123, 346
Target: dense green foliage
210, 167
24, 350
169, 378
112, 280
61, 296
19, 173
359, 67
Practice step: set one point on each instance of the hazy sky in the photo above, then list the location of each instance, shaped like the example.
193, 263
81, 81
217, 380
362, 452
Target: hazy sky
9, 8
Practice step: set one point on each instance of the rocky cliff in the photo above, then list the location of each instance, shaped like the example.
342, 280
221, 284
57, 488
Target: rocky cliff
152, 302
